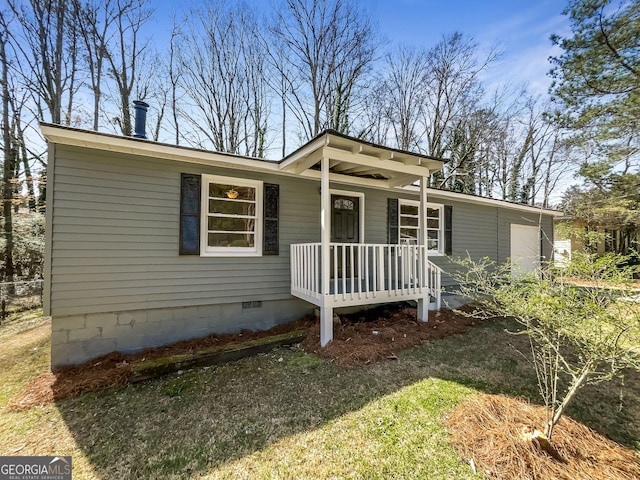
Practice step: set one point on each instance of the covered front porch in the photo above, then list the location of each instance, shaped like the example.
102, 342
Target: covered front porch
342, 270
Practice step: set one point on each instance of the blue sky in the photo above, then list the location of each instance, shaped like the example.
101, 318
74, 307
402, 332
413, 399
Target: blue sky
520, 28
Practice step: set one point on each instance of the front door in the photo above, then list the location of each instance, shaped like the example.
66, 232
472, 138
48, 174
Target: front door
345, 228
345, 219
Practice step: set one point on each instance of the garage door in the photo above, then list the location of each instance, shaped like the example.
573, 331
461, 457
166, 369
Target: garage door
525, 249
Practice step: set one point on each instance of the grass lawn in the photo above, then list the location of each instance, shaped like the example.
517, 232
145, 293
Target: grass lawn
286, 414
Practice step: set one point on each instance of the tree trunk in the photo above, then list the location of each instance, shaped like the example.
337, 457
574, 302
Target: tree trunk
573, 389
9, 160
27, 173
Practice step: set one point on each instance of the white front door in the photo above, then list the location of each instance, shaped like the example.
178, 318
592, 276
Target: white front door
525, 249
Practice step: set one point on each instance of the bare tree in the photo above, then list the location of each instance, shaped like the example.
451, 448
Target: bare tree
10, 154
48, 50
517, 165
454, 65
465, 144
375, 124
405, 92
547, 157
175, 74
281, 79
95, 25
16, 170
256, 94
328, 45
224, 80
125, 54
556, 165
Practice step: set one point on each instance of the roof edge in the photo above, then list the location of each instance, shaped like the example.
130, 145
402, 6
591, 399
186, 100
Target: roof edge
470, 198
330, 131
142, 141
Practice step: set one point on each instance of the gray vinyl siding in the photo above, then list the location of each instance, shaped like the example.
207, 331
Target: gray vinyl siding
375, 221
116, 230
507, 217
115, 235
481, 230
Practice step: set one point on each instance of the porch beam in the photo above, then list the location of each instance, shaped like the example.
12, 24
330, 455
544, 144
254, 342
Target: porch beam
374, 162
308, 149
342, 167
308, 162
402, 180
347, 179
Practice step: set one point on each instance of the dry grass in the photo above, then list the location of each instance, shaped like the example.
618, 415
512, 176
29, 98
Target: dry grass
290, 414
488, 430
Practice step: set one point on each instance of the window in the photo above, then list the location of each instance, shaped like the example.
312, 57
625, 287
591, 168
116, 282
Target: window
231, 216
409, 223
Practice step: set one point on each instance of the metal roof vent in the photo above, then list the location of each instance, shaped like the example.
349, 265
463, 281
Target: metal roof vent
140, 108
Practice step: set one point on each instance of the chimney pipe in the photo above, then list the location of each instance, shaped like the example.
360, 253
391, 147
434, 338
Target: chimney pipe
140, 108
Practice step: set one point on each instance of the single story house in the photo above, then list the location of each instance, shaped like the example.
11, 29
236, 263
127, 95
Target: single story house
149, 243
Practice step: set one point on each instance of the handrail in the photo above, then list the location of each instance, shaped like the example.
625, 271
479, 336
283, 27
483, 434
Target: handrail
361, 272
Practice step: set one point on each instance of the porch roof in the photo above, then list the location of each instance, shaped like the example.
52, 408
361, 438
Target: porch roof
351, 157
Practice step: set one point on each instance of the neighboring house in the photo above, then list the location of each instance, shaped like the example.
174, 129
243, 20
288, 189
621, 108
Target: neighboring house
608, 237
149, 243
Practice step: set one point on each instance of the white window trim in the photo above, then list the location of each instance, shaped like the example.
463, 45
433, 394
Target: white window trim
438, 206
360, 195
205, 249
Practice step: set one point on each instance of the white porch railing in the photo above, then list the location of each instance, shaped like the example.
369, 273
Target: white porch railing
364, 273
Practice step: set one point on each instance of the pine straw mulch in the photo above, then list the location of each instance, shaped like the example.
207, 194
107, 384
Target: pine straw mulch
487, 431
362, 338
115, 369
380, 333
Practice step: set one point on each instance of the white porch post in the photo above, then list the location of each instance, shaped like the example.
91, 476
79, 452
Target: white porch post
326, 311
423, 303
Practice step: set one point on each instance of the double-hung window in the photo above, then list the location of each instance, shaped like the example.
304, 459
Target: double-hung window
409, 223
231, 216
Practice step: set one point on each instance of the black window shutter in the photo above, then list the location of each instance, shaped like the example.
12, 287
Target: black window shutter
393, 220
190, 214
271, 244
448, 229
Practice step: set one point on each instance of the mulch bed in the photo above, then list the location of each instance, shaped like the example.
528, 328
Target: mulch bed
381, 332
115, 369
487, 431
376, 334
